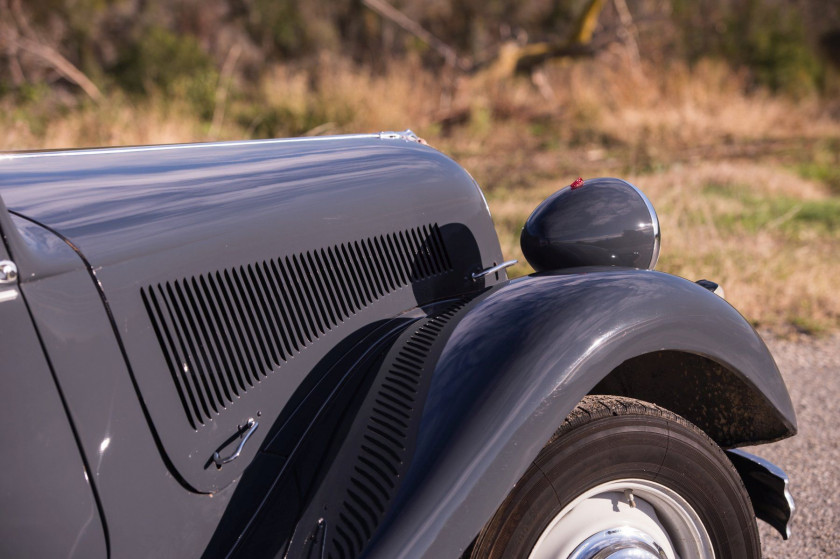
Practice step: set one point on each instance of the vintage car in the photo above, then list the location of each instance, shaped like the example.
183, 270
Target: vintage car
310, 348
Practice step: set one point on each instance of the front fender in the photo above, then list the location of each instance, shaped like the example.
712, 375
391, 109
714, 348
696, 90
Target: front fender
519, 360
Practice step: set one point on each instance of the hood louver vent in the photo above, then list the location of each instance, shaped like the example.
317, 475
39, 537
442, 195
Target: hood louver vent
225, 331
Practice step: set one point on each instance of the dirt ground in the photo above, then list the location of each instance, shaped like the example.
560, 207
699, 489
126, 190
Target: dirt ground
811, 369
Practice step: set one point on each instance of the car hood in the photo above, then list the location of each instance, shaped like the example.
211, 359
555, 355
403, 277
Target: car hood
114, 204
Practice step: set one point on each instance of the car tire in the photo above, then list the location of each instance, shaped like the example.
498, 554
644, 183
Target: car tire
626, 477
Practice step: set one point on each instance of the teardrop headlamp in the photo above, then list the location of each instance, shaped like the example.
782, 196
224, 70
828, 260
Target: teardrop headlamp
601, 222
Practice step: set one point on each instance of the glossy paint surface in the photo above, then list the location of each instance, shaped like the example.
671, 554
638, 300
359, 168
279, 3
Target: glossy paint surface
495, 396
508, 388
44, 484
146, 217
604, 222
501, 376
118, 203
144, 507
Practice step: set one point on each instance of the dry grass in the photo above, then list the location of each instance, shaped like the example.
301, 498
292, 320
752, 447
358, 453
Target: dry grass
722, 168
725, 169
777, 268
115, 122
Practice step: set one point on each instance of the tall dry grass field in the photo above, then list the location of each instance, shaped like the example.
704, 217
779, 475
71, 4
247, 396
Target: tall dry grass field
747, 186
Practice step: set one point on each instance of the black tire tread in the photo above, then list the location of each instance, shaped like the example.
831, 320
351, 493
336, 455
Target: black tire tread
596, 406
591, 409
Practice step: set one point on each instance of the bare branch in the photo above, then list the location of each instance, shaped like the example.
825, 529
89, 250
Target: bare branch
20, 36
223, 87
514, 58
628, 32
389, 12
61, 65
586, 23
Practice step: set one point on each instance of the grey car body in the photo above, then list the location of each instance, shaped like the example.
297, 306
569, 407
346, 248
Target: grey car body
307, 309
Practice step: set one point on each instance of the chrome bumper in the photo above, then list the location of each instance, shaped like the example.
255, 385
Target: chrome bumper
767, 486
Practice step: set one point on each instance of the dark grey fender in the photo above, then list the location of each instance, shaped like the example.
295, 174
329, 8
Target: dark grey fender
524, 354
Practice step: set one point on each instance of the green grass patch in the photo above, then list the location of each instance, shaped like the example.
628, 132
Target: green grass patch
820, 162
827, 173
726, 190
810, 326
788, 215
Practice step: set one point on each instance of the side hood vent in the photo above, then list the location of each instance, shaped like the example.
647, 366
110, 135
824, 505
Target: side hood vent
224, 331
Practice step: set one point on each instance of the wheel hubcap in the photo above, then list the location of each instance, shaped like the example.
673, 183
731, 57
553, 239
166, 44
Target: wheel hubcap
619, 543
625, 519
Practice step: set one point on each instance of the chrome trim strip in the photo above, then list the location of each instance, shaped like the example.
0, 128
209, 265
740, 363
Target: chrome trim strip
9, 156
8, 295
657, 234
406, 135
493, 269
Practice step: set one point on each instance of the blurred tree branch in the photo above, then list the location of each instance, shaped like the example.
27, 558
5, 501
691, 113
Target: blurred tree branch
511, 57
223, 87
392, 14
185, 48
629, 32
16, 35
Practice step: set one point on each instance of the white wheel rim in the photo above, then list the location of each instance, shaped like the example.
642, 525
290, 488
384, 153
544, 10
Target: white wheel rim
626, 518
